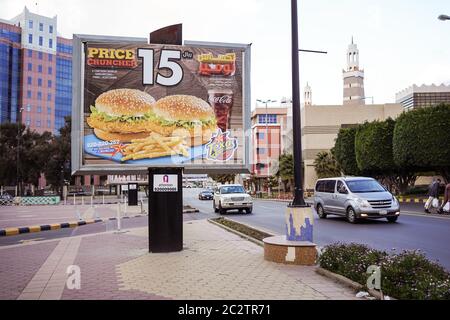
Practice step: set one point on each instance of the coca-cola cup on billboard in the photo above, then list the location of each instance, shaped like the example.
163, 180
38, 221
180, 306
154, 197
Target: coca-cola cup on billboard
222, 101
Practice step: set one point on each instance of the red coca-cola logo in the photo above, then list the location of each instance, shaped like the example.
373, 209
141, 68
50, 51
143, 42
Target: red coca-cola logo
225, 99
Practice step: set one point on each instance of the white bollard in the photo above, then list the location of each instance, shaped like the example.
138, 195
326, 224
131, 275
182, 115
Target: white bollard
103, 199
92, 200
78, 213
118, 217
74, 199
82, 200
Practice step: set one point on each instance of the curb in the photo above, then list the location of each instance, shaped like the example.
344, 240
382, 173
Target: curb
348, 282
55, 226
240, 234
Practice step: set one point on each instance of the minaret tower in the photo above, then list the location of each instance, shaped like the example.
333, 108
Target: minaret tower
308, 95
353, 78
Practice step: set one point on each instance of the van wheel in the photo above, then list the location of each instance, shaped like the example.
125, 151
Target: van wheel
214, 207
248, 210
351, 215
392, 219
321, 212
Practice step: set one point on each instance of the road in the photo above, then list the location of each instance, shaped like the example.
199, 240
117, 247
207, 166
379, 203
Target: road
412, 231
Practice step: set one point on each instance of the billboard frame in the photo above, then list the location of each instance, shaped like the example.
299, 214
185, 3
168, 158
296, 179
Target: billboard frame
78, 115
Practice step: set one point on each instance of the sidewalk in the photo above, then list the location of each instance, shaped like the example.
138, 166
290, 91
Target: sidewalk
214, 264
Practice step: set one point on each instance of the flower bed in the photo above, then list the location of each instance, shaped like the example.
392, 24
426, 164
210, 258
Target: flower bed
407, 275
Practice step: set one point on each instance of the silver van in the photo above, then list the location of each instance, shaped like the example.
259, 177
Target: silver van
355, 198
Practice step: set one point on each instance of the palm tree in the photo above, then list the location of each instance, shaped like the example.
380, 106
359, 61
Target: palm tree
326, 166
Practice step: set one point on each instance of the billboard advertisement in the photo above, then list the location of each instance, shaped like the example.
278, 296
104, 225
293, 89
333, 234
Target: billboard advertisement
145, 105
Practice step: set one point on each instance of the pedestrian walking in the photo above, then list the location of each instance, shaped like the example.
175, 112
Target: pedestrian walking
433, 195
446, 204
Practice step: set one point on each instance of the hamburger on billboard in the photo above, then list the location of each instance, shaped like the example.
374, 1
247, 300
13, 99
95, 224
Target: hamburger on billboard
144, 105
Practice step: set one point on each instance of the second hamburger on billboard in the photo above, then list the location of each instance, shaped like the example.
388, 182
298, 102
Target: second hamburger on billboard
152, 105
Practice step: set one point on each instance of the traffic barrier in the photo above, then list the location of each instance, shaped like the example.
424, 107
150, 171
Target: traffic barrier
30, 201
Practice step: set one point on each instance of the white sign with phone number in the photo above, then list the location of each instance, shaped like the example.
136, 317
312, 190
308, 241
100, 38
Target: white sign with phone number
165, 183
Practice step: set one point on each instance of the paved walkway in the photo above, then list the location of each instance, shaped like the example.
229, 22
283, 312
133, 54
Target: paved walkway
214, 264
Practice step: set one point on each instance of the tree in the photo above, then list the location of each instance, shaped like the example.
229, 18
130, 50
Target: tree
374, 154
326, 166
223, 178
344, 151
57, 170
23, 154
421, 140
286, 169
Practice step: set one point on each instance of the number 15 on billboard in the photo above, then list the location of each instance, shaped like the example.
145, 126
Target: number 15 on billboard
167, 61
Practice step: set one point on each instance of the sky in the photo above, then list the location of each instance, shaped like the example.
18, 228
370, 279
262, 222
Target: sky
401, 42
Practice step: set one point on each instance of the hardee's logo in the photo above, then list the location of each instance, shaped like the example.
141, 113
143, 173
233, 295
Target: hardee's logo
221, 147
223, 64
109, 57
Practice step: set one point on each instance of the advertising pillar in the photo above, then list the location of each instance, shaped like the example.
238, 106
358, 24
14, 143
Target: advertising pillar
133, 194
165, 207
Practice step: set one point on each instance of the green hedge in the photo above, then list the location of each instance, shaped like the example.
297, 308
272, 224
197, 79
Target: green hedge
407, 275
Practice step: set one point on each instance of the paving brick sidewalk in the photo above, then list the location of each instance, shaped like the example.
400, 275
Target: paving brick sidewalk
214, 264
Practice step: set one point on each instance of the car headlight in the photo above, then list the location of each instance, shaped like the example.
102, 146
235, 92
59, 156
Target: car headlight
362, 203
394, 201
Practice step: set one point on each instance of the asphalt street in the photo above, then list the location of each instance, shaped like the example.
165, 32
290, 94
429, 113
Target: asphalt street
412, 231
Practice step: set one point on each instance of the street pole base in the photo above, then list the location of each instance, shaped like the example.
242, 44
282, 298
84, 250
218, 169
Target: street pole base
279, 250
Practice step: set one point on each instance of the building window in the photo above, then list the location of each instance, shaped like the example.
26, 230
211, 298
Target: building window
49, 123
271, 118
28, 122
39, 95
28, 108
260, 135
40, 55
49, 97
30, 67
41, 41
38, 123
40, 68
30, 24
29, 81
50, 29
39, 82
260, 150
30, 54
49, 110
50, 70
39, 109
29, 94
30, 38
50, 43
260, 166
41, 26
49, 83
50, 57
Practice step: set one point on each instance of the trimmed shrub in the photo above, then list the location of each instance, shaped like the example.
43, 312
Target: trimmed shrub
408, 275
350, 260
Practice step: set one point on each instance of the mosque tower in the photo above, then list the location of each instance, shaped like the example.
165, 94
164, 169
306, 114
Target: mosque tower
353, 78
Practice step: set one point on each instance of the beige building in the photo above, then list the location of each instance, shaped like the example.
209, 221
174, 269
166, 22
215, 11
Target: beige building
321, 124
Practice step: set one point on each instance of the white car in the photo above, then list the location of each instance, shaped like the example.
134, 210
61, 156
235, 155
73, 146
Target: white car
232, 197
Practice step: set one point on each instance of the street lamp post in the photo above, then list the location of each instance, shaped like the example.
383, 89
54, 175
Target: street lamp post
19, 136
266, 102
